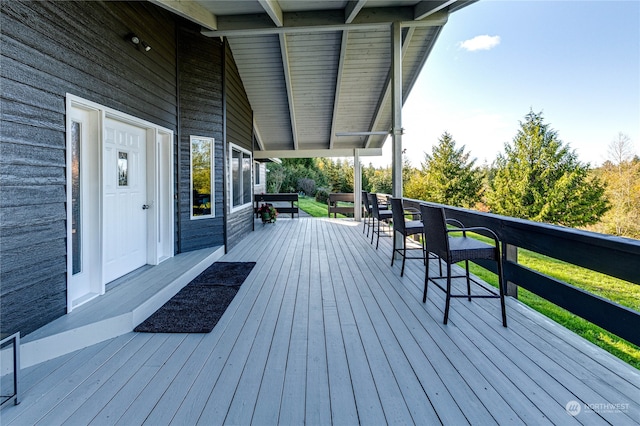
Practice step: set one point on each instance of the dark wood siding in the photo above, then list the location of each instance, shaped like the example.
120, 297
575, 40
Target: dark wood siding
49, 49
239, 131
200, 100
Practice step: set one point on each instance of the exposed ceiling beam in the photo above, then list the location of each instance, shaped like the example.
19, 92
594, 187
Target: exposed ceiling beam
313, 153
273, 10
352, 9
332, 20
287, 78
380, 133
190, 10
429, 7
343, 52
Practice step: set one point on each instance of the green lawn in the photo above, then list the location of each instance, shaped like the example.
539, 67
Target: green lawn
622, 292
314, 208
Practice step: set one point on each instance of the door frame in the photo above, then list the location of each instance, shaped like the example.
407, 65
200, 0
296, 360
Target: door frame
160, 189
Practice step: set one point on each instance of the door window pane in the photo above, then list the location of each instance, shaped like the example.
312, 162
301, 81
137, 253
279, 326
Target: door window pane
76, 228
123, 169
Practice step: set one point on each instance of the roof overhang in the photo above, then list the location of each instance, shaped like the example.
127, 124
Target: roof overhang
318, 74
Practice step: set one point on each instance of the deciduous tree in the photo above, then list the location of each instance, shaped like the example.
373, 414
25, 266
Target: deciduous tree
621, 173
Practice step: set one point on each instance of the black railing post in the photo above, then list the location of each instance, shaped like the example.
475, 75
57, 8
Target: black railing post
511, 255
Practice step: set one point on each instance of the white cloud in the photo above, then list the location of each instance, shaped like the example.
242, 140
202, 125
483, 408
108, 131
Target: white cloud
481, 42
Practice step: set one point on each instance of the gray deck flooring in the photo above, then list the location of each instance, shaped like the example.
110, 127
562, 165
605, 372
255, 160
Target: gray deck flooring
324, 331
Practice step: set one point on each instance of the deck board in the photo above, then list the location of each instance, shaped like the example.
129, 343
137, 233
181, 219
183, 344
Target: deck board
325, 331
293, 400
87, 387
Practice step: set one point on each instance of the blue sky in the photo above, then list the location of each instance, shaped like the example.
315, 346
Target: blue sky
576, 61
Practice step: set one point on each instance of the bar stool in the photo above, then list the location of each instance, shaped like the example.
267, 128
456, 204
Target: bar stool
456, 249
377, 216
366, 207
406, 228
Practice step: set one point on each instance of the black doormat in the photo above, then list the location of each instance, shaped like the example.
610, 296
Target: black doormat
200, 304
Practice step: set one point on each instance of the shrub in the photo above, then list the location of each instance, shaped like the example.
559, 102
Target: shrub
322, 195
306, 185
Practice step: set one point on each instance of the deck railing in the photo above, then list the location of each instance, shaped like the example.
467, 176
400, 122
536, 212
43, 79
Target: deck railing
615, 256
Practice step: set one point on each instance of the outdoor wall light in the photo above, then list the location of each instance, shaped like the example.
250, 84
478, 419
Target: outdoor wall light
137, 42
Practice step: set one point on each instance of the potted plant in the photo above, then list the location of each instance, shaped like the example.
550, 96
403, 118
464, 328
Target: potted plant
268, 213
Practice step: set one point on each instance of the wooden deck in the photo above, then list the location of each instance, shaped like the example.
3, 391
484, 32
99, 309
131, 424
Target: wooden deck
324, 331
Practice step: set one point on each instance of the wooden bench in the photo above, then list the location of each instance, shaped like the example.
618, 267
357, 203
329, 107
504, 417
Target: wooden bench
259, 199
335, 198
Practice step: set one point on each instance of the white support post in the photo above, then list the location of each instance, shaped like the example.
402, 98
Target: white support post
396, 107
357, 186
396, 119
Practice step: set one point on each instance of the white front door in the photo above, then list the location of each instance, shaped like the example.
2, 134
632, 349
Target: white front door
125, 205
119, 197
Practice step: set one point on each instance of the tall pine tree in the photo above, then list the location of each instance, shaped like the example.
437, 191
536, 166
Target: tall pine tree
541, 179
448, 176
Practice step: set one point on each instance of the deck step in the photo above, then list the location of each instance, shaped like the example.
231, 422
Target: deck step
119, 310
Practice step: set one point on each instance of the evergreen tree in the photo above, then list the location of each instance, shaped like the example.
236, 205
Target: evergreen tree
448, 176
541, 179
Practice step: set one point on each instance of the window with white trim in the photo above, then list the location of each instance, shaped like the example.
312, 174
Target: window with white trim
202, 174
241, 165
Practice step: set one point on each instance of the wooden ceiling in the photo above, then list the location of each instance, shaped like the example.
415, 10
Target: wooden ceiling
317, 73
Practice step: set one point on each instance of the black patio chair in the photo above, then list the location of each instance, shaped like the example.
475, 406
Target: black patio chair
407, 228
456, 249
378, 216
367, 210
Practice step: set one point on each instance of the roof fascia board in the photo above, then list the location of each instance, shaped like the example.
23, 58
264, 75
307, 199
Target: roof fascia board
190, 10
287, 78
410, 83
460, 4
315, 153
352, 9
343, 52
256, 131
333, 20
427, 8
273, 10
423, 61
386, 93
